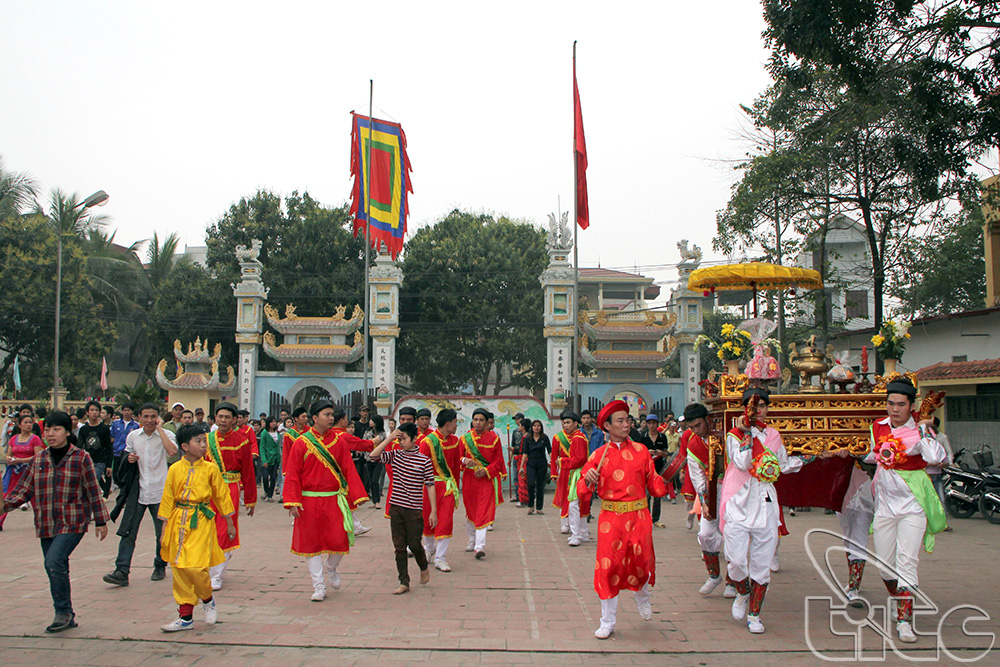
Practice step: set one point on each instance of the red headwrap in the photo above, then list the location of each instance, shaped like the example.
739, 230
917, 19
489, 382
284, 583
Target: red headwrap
610, 409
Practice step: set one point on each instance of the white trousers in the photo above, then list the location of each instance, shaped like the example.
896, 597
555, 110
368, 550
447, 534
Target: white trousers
750, 551
855, 525
577, 526
477, 536
709, 535
898, 541
563, 523
357, 521
216, 571
320, 566
609, 607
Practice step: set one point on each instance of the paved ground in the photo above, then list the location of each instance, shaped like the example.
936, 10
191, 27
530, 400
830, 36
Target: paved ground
531, 601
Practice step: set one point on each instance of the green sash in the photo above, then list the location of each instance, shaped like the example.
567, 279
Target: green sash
441, 464
574, 478
324, 455
470, 441
923, 490
295, 434
213, 446
563, 441
202, 508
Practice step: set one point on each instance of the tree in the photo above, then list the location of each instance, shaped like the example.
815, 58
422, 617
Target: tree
945, 276
472, 305
27, 328
17, 190
310, 257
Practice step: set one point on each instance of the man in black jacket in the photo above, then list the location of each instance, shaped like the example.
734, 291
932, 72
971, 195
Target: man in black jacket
657, 445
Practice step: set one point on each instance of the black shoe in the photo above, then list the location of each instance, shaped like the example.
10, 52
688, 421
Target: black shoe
159, 572
480, 555
116, 578
62, 622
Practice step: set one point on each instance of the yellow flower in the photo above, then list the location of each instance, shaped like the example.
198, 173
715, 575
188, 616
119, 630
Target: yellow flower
878, 340
727, 329
728, 345
745, 334
737, 351
721, 354
906, 335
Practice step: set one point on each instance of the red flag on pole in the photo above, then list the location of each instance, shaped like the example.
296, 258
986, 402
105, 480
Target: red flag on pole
104, 374
579, 155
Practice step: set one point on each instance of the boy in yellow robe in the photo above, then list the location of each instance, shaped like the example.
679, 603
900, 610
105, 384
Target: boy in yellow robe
190, 543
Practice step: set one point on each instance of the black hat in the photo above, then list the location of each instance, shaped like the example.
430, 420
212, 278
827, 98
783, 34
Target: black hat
902, 386
226, 405
760, 391
482, 411
569, 414
408, 410
319, 405
694, 411
423, 412
446, 416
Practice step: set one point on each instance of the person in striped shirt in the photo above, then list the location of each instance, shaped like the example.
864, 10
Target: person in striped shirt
410, 472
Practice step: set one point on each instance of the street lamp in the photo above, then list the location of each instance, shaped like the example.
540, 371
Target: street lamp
99, 198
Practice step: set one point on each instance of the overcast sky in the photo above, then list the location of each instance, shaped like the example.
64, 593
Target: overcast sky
178, 109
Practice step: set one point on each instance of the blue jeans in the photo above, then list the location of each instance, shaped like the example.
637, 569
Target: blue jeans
56, 551
127, 546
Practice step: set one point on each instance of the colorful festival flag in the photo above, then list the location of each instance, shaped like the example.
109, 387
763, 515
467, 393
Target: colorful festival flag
17, 375
390, 181
104, 374
580, 155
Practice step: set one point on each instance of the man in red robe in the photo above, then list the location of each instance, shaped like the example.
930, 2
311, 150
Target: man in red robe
483, 467
322, 490
441, 447
621, 473
230, 449
695, 420
576, 447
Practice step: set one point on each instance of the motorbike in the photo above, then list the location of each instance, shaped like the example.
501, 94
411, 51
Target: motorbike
968, 488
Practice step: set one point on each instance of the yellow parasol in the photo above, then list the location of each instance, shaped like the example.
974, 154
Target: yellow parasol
754, 276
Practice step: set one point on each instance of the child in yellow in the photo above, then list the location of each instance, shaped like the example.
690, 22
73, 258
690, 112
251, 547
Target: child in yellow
190, 543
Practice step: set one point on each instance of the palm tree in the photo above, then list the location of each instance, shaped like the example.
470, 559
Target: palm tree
161, 259
68, 217
17, 190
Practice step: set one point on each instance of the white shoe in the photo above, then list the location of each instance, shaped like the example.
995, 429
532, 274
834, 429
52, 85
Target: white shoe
179, 624
730, 592
754, 624
854, 598
319, 594
690, 521
645, 610
565, 531
442, 565
211, 613
335, 580
489, 528
905, 632
573, 541
775, 565
360, 530
710, 585
740, 607
471, 546
216, 584
585, 538
604, 631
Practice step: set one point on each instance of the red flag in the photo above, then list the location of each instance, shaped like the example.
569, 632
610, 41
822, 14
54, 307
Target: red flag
104, 374
579, 155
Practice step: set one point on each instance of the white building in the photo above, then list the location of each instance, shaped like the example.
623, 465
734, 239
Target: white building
850, 294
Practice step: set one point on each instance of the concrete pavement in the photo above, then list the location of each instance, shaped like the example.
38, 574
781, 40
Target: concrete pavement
530, 601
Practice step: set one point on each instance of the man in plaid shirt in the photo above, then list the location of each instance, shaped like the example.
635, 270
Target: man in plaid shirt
62, 484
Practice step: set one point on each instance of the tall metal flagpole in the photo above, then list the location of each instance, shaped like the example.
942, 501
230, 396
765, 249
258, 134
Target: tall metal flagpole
368, 224
576, 259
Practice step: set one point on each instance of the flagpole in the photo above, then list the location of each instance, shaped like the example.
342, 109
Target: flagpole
368, 224
576, 259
